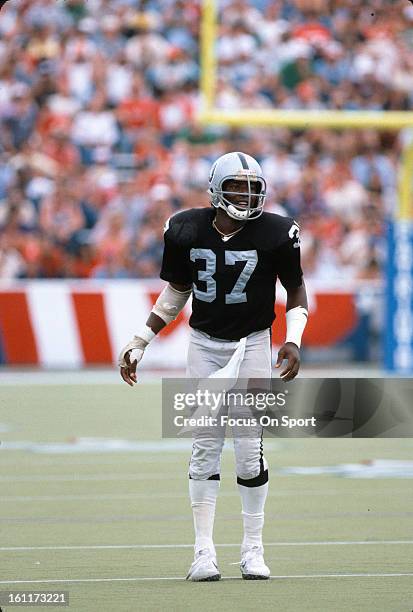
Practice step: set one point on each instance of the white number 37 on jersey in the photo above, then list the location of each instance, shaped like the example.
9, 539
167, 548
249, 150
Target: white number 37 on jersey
294, 234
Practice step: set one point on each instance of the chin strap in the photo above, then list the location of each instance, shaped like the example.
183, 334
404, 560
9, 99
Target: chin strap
240, 214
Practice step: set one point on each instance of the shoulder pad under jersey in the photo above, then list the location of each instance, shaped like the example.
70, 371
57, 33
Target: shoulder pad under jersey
276, 230
182, 227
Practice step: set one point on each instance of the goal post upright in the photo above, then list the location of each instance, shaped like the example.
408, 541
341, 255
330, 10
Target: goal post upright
207, 54
398, 334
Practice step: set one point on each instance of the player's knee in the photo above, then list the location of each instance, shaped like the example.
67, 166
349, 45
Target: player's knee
252, 473
204, 471
205, 462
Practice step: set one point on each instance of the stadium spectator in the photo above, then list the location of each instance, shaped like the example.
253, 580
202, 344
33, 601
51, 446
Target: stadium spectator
97, 107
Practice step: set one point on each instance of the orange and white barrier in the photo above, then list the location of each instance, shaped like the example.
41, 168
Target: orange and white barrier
62, 323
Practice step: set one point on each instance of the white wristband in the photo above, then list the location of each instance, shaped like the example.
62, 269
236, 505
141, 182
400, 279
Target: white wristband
296, 321
137, 344
146, 334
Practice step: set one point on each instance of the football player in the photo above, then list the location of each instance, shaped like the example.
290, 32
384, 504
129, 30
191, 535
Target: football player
229, 257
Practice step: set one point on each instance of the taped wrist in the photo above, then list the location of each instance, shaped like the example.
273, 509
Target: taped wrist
170, 303
139, 342
296, 321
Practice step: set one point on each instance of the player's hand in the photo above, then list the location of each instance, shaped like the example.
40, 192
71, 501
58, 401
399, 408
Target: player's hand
291, 352
129, 358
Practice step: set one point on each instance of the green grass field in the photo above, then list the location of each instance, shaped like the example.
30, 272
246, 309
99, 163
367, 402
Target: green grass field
115, 529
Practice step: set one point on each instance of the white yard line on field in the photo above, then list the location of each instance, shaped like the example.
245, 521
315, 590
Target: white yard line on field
90, 477
180, 578
164, 546
102, 497
132, 496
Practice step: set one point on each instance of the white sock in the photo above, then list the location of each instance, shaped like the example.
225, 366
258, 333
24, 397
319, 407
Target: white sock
253, 501
203, 494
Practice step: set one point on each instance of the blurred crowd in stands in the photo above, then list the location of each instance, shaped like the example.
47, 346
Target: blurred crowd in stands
99, 143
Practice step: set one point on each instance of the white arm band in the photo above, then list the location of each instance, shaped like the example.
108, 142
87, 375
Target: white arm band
170, 303
296, 321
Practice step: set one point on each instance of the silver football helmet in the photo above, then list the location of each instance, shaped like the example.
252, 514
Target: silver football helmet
240, 167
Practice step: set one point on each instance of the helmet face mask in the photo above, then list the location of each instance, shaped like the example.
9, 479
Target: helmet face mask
236, 185
250, 200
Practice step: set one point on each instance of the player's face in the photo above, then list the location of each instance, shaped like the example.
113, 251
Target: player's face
238, 188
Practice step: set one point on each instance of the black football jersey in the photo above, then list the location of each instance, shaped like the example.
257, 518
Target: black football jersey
234, 280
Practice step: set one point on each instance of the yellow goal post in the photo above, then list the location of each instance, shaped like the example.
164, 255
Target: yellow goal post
297, 119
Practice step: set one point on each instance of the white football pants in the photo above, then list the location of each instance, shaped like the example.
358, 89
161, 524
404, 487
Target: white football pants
207, 355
